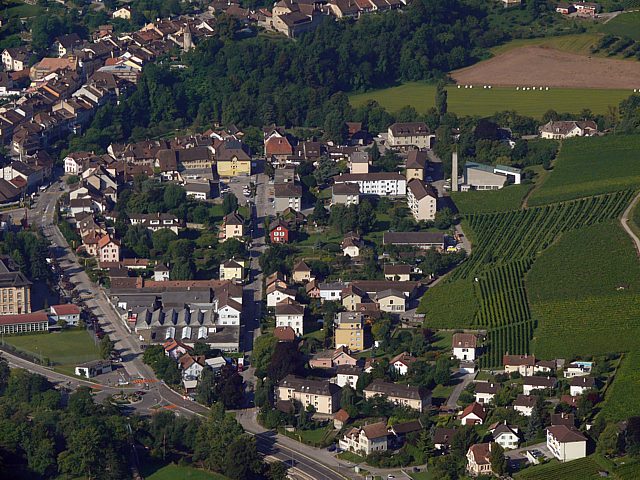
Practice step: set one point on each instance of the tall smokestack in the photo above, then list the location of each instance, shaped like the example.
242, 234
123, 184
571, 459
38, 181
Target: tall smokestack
454, 171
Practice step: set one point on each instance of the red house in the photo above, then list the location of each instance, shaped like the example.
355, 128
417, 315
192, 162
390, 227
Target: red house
279, 232
278, 147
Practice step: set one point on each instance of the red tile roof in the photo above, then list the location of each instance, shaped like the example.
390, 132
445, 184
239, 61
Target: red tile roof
66, 309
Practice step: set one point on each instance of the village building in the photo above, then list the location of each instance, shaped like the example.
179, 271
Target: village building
323, 396
416, 165
473, 414
301, 272
410, 134
68, 313
560, 130
479, 459
366, 439
422, 200
289, 313
464, 346
413, 397
15, 289
349, 331
485, 392
566, 443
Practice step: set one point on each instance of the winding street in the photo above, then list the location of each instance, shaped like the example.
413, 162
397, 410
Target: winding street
624, 221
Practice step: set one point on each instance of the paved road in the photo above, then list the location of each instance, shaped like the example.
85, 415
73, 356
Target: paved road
624, 221
466, 379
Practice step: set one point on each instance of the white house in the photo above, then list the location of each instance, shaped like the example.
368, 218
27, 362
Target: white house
529, 384
289, 313
562, 129
566, 443
69, 313
161, 273
330, 292
348, 375
351, 246
505, 435
388, 184
367, 439
474, 414
75, 163
401, 363
191, 365
464, 346
229, 311
277, 294
580, 385
91, 369
409, 134
578, 369
524, 404
123, 13
486, 391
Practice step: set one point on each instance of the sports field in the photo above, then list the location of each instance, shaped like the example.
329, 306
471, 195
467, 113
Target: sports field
590, 166
485, 102
626, 24
64, 348
584, 293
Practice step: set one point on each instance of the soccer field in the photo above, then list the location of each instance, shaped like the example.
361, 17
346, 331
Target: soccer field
484, 102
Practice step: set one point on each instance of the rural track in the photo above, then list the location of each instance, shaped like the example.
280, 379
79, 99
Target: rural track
624, 221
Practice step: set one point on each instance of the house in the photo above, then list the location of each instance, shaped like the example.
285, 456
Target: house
277, 294
191, 365
580, 385
332, 358
479, 459
24, 323
391, 300
562, 418
366, 439
233, 226
161, 273
349, 331
409, 134
278, 147
290, 313
15, 289
228, 308
485, 391
175, 349
421, 200
416, 165
233, 159
352, 297
108, 249
478, 176
232, 270
586, 9
287, 195
331, 291
123, 13
578, 369
384, 184
359, 162
524, 404
301, 272
566, 443
322, 395
421, 240
526, 365
94, 368
442, 438
351, 245
345, 194
312, 289
397, 273
216, 364
565, 8
68, 313
569, 400
200, 190
284, 334
279, 232
413, 397
401, 363
529, 384
340, 419
507, 436
156, 221
474, 414
15, 59
348, 375
464, 346
277, 279
559, 130
67, 44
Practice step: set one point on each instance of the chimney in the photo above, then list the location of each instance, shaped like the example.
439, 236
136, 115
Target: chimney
454, 171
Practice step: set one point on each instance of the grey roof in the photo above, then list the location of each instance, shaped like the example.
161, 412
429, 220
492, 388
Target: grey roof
345, 189
380, 387
420, 190
413, 238
315, 387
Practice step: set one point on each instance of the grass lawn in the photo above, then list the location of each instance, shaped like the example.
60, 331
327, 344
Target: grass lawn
581, 469
584, 293
443, 341
436, 305
22, 10
478, 101
421, 476
627, 25
172, 472
443, 392
64, 348
591, 166
578, 43
621, 399
508, 198
634, 219
350, 457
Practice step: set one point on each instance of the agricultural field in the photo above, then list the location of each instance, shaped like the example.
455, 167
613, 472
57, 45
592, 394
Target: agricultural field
579, 43
586, 287
503, 200
626, 24
591, 166
621, 401
484, 102
582, 469
506, 247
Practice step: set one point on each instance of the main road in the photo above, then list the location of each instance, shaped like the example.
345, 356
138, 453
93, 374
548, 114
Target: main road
158, 394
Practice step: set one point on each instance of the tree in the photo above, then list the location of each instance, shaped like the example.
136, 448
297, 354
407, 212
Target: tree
174, 196
286, 359
462, 440
277, 471
374, 151
106, 347
443, 219
608, 441
242, 461
632, 439
216, 433
320, 214
5, 373
366, 217
499, 463
263, 349
229, 203
230, 387
206, 389
441, 99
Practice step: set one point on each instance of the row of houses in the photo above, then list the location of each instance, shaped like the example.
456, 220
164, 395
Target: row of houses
41, 321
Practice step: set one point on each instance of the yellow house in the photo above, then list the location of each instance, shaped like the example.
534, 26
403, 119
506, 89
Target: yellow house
351, 297
416, 398
349, 331
391, 301
232, 270
233, 159
233, 226
301, 272
323, 395
416, 164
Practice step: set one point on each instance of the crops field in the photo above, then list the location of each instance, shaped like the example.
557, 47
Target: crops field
578, 43
591, 166
626, 24
621, 401
503, 200
506, 246
594, 302
583, 469
484, 102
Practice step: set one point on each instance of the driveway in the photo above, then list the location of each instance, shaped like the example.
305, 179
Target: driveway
464, 380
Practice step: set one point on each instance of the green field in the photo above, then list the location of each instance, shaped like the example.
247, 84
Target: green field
624, 25
578, 43
22, 10
484, 102
621, 401
586, 288
582, 469
173, 472
65, 348
503, 200
439, 313
591, 166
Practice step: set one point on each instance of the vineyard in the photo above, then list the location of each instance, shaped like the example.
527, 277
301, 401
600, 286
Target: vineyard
621, 400
505, 247
581, 469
